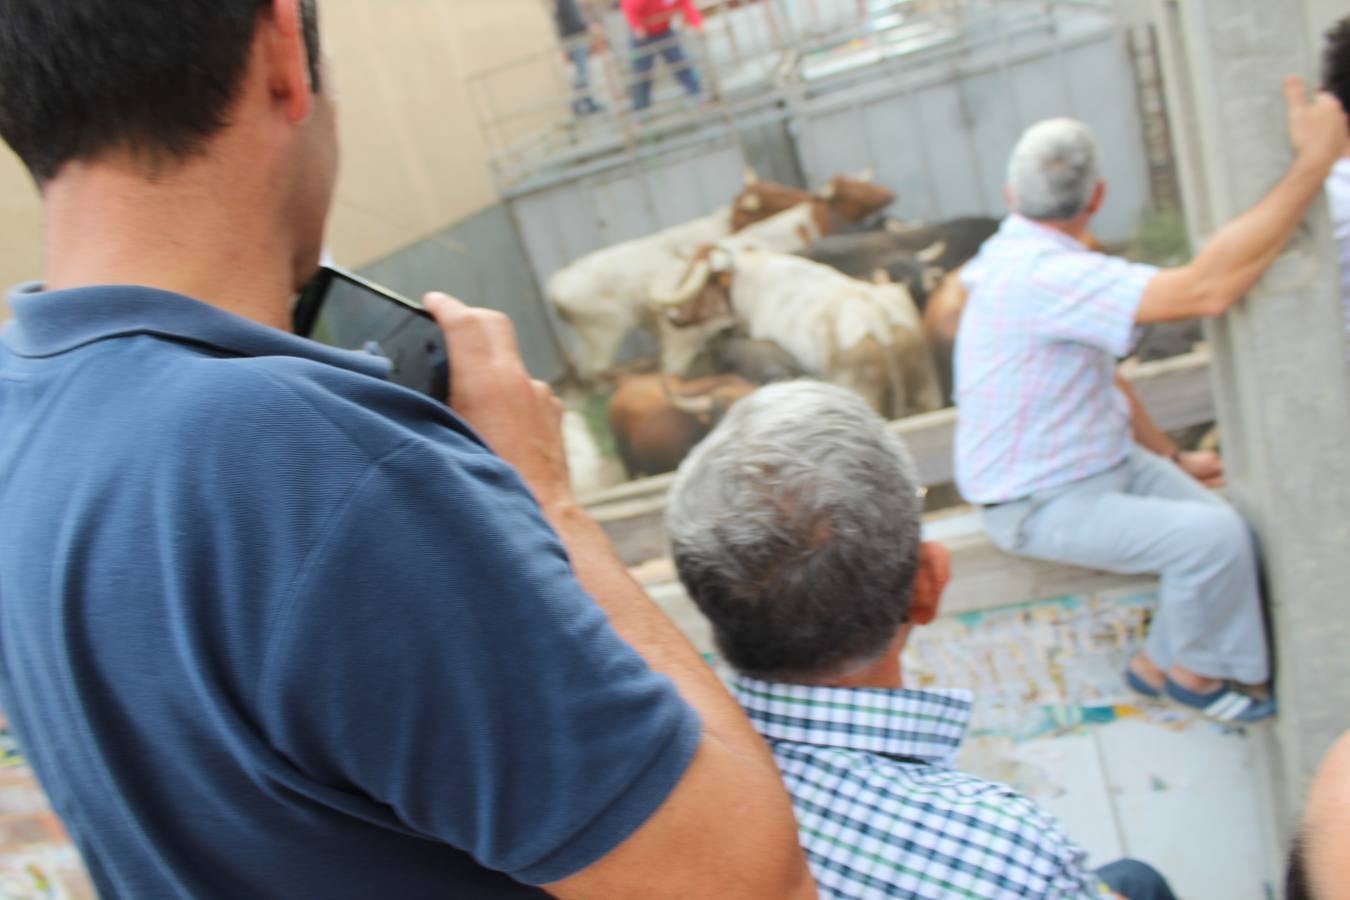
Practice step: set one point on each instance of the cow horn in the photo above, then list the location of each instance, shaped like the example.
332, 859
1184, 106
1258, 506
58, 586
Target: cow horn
896, 226
751, 176
932, 253
867, 174
687, 289
752, 203
699, 406
881, 276
829, 190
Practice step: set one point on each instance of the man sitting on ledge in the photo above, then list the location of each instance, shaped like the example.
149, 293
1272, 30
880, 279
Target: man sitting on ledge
1056, 447
795, 529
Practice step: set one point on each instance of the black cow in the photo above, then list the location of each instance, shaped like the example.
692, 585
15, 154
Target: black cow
915, 255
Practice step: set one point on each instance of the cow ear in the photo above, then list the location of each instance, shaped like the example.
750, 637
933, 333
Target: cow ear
724, 280
881, 276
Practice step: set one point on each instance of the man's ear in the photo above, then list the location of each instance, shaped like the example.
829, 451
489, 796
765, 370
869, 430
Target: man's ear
935, 571
1008, 198
282, 49
1098, 198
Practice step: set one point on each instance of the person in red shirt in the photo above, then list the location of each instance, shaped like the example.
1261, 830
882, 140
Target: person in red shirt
650, 21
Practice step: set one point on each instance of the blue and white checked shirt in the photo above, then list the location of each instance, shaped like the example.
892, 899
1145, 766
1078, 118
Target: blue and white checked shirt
881, 814
1035, 363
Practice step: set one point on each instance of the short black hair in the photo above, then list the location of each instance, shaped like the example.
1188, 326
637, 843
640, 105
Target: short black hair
1336, 62
154, 77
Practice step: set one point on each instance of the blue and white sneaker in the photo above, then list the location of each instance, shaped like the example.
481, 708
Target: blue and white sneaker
1224, 704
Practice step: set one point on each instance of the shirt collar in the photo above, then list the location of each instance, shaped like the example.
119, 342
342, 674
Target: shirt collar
49, 323
925, 725
1019, 227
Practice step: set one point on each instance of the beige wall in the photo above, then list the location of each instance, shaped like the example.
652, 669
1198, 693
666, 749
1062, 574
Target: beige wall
414, 160
20, 226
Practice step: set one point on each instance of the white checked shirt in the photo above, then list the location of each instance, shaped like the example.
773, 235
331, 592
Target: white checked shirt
881, 814
1035, 362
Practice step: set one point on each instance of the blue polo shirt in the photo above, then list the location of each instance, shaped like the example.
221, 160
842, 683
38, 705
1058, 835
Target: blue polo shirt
273, 627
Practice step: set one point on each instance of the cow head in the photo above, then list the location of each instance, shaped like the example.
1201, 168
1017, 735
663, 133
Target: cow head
702, 295
762, 199
853, 199
693, 306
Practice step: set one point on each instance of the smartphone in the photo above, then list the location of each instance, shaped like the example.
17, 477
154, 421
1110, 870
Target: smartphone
346, 311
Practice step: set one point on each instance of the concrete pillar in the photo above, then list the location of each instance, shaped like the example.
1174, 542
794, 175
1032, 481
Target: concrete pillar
1281, 379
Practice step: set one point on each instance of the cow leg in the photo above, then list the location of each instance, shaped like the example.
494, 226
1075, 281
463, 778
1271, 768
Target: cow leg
865, 370
923, 390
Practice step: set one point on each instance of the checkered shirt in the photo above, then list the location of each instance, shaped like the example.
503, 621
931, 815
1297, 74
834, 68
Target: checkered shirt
881, 814
1035, 362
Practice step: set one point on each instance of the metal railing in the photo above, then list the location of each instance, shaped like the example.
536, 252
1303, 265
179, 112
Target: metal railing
536, 112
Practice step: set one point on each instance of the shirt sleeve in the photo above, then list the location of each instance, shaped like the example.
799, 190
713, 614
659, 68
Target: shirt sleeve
692, 14
441, 668
1070, 878
1091, 298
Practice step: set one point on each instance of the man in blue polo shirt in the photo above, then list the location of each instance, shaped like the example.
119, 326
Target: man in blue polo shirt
271, 626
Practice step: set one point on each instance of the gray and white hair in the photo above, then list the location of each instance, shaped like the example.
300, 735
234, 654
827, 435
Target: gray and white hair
1053, 170
795, 528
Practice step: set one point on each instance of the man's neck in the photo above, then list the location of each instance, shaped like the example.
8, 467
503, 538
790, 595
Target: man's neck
884, 673
189, 230
1076, 228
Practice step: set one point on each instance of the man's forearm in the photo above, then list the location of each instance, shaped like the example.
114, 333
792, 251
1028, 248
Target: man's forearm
1241, 251
1146, 432
650, 631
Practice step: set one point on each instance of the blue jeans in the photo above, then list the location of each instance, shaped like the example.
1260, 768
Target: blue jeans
673, 53
582, 103
1135, 880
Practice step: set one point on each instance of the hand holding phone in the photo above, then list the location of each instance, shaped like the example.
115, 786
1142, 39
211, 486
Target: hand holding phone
519, 417
343, 310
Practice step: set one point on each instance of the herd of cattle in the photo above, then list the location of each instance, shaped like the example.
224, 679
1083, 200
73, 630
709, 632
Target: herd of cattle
780, 284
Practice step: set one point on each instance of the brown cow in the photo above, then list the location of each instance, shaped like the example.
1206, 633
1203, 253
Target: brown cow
657, 419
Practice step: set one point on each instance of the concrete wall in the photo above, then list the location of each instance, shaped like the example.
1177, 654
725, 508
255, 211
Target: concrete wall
414, 159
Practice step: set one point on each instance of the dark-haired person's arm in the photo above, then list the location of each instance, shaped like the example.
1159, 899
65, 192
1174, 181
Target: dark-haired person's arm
1240, 252
727, 829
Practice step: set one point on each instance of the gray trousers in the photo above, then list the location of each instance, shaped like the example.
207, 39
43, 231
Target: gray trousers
1148, 516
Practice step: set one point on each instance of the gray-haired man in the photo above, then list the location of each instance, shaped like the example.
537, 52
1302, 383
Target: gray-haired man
1052, 443
795, 529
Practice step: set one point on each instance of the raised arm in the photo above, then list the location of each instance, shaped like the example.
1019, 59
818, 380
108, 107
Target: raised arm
1238, 254
727, 829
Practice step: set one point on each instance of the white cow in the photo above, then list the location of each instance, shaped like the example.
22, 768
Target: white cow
867, 337
603, 295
